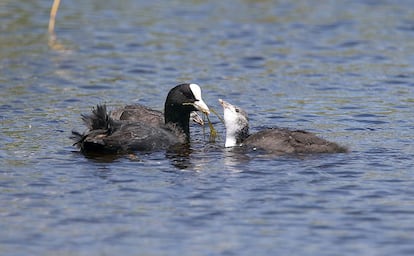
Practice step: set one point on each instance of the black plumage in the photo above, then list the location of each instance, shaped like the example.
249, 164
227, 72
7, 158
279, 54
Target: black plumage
108, 134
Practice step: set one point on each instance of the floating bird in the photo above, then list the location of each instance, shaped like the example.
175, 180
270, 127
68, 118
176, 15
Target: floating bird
110, 135
271, 140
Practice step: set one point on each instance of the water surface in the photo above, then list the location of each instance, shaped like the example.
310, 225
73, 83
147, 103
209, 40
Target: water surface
342, 69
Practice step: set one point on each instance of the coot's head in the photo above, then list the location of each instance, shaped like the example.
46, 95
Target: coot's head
180, 102
186, 98
236, 122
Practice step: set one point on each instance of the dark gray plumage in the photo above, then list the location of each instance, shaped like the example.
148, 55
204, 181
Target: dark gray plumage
141, 113
108, 134
272, 140
112, 136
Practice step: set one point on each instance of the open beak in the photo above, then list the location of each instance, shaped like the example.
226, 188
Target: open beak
201, 106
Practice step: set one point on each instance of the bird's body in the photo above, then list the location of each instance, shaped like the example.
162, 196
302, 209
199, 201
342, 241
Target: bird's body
272, 140
282, 140
126, 131
113, 136
138, 113
141, 113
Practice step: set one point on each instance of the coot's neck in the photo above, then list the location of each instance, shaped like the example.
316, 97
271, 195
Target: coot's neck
230, 141
236, 138
179, 117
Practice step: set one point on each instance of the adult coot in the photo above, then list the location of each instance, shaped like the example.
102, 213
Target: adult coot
141, 113
272, 140
107, 134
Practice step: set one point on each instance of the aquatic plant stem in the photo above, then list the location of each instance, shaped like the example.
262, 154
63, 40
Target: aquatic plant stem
53, 12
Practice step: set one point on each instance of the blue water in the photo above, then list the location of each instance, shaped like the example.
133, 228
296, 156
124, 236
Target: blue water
341, 69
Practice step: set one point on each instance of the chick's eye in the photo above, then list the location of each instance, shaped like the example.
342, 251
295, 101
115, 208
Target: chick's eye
237, 110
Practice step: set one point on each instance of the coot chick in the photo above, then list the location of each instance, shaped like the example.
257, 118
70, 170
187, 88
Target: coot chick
272, 140
119, 136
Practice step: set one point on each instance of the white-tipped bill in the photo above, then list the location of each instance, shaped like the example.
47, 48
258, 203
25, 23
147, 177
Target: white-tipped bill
199, 104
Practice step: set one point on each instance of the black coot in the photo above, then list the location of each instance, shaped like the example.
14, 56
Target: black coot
107, 134
141, 113
272, 140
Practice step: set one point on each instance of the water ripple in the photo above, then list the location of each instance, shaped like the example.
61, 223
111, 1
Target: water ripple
340, 69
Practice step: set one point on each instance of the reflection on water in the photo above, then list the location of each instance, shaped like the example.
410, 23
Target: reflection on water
235, 159
180, 156
341, 69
